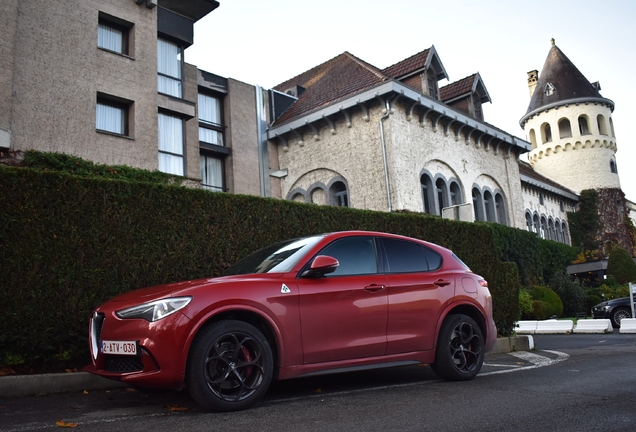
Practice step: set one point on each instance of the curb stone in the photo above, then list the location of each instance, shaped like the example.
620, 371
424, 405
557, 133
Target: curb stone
29, 385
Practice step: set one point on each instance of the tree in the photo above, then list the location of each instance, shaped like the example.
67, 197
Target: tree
621, 266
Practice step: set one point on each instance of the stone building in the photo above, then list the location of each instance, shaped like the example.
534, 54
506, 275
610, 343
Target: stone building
570, 127
391, 139
107, 81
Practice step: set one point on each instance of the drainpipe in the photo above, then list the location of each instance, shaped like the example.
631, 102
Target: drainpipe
261, 138
386, 166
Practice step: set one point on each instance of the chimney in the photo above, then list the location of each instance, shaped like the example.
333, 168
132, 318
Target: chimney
533, 77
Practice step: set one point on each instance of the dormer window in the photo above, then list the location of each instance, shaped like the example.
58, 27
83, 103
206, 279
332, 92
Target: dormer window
549, 89
432, 86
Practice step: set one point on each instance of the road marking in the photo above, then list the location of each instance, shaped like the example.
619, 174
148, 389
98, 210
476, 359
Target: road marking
536, 360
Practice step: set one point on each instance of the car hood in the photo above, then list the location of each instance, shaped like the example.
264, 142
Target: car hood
172, 289
613, 302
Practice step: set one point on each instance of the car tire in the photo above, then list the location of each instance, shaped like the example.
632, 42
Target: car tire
618, 314
230, 366
460, 349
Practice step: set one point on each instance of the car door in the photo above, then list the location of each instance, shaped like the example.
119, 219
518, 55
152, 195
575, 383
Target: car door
417, 292
344, 314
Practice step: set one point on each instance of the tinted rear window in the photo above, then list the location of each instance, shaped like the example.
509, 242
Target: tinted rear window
405, 256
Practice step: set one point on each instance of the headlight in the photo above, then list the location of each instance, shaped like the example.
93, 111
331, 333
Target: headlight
156, 310
606, 308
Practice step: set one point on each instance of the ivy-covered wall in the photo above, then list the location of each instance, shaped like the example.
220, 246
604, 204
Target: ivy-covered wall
601, 222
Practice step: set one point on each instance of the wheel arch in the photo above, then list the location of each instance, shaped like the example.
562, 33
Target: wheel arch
262, 323
464, 309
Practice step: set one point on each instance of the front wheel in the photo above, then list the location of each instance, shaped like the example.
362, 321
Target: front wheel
460, 349
230, 366
618, 315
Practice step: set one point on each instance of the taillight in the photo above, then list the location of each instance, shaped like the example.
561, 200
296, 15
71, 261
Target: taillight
483, 283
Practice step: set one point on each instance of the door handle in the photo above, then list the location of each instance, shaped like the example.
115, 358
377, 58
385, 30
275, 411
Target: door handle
374, 288
441, 282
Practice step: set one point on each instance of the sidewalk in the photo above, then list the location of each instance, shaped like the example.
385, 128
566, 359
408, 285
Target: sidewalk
29, 385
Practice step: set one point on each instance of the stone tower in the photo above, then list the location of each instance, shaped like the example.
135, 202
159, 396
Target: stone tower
570, 127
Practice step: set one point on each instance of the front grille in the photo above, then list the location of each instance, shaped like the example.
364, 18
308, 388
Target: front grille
115, 363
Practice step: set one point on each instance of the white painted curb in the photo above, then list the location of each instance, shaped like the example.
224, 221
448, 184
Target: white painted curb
526, 327
628, 325
554, 327
593, 326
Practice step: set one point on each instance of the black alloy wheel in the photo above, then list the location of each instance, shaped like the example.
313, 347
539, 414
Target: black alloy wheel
460, 349
230, 366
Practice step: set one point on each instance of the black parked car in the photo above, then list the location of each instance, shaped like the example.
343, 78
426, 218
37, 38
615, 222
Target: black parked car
615, 310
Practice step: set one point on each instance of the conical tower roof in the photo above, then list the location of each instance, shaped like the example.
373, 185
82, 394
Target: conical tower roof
560, 82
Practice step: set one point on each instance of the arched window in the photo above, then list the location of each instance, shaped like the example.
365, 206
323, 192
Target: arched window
500, 209
551, 233
546, 133
535, 224
441, 195
489, 204
533, 138
318, 196
339, 194
602, 124
544, 228
564, 230
558, 234
529, 222
298, 198
565, 130
613, 167
583, 126
478, 205
427, 194
456, 194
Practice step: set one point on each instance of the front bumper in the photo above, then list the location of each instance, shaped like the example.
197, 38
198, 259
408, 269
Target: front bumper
162, 352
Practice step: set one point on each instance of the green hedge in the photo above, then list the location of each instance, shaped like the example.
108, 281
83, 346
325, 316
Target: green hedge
67, 243
545, 303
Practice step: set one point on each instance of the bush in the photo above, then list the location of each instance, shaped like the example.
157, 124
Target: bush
612, 291
621, 266
525, 303
570, 292
554, 305
540, 310
591, 301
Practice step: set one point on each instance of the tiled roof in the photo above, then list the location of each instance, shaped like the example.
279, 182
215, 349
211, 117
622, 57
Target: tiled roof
526, 169
567, 82
457, 88
406, 66
333, 80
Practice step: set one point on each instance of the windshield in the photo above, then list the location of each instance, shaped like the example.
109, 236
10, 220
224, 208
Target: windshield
276, 258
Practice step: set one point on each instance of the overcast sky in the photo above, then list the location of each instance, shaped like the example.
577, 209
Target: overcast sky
267, 42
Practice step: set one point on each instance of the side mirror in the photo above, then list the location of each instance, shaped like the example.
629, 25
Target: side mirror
321, 265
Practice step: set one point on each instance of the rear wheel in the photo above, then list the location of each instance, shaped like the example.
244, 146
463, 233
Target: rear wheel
460, 349
230, 366
618, 315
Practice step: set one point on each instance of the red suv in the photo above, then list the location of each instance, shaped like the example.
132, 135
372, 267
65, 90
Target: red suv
319, 304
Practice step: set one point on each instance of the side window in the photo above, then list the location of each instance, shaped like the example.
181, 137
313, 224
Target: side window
434, 259
356, 256
405, 256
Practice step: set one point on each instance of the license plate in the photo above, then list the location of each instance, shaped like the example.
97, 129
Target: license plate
119, 347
